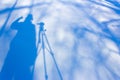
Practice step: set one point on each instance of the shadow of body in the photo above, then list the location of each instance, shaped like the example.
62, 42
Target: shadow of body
19, 63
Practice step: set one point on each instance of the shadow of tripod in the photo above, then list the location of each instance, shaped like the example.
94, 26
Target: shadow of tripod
42, 39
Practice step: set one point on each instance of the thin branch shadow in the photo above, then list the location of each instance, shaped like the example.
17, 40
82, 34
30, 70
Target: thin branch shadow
8, 17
